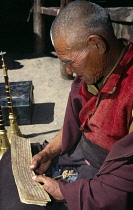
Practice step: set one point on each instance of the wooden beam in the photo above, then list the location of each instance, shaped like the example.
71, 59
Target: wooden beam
124, 14
50, 10
39, 28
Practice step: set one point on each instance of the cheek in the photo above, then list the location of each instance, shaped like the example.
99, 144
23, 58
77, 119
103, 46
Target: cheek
94, 64
77, 68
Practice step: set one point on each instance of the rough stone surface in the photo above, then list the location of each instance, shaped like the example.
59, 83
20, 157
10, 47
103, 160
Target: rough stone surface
50, 93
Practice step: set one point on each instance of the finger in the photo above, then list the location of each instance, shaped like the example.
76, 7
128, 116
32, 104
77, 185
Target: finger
50, 185
33, 166
40, 170
43, 179
39, 178
35, 162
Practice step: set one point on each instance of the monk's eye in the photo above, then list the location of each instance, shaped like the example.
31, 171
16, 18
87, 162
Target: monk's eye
66, 62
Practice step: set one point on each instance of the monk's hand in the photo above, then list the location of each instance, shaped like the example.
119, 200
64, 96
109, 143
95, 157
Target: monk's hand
41, 162
50, 185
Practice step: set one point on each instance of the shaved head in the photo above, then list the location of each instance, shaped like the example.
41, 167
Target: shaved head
80, 19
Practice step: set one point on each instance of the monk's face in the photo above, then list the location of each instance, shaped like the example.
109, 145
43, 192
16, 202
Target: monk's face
87, 62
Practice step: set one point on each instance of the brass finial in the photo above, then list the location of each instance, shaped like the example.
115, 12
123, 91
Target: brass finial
14, 129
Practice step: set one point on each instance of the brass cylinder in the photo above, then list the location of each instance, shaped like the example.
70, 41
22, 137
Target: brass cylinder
4, 142
14, 129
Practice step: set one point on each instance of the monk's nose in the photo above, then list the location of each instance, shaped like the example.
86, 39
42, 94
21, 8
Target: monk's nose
69, 70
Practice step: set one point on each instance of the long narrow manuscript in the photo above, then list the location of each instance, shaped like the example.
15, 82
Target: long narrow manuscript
30, 192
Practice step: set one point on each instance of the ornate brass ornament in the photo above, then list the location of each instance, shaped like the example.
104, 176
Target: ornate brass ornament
14, 129
4, 142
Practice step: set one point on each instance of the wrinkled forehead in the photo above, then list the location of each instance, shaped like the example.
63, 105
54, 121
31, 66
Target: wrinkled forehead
64, 52
60, 44
56, 35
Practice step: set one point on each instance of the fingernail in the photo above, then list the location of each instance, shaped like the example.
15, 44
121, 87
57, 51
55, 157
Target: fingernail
34, 177
31, 166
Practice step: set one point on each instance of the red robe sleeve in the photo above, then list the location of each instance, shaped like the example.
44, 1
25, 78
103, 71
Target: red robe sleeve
112, 185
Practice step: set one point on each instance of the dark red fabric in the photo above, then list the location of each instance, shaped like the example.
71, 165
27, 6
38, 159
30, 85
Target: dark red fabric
110, 120
110, 188
71, 132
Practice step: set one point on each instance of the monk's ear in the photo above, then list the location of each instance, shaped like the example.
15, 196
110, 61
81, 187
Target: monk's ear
98, 43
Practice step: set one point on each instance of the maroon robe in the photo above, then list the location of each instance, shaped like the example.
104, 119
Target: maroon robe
112, 186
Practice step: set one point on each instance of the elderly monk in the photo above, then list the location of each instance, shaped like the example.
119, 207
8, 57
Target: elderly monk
96, 139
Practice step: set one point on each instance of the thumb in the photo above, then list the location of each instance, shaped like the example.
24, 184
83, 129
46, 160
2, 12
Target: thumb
39, 178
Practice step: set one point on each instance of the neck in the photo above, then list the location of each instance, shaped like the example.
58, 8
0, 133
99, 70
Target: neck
112, 57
